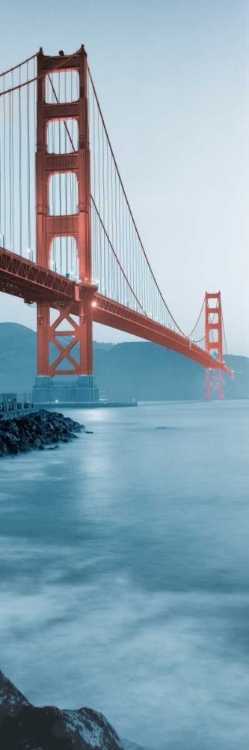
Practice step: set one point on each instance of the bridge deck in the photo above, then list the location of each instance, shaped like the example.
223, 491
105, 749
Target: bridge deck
25, 279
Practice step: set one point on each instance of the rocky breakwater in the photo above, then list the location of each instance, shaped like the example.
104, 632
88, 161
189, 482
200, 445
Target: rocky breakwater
25, 727
36, 431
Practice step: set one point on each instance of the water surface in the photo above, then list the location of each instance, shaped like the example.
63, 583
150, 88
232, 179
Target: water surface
124, 580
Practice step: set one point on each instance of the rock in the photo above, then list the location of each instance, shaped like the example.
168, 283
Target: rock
25, 727
35, 431
50, 728
37, 442
11, 700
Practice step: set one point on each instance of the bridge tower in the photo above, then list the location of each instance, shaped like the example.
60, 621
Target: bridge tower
214, 344
64, 345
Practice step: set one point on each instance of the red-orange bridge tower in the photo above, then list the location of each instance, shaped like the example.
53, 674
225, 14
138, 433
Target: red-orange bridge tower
214, 334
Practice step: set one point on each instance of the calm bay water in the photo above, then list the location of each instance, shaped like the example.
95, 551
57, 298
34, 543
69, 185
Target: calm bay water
124, 573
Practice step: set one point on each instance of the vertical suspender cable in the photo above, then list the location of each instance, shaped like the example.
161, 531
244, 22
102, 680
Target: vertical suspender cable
1, 169
52, 191
67, 178
109, 259
116, 232
92, 137
59, 180
72, 182
12, 124
28, 165
103, 206
4, 166
10, 172
20, 162
35, 146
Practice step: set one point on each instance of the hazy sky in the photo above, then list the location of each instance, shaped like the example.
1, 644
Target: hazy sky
172, 79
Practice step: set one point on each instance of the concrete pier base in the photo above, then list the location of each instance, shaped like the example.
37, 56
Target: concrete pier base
56, 392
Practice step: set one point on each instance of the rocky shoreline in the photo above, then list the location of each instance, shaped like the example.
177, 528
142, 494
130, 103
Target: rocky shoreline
39, 430
26, 727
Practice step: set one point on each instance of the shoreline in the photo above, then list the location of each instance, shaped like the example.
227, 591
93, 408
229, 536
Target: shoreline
38, 430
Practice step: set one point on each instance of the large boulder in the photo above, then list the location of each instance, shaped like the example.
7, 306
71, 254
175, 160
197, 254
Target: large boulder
25, 727
11, 700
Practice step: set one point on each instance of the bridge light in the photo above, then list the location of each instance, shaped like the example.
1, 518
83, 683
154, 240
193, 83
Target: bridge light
1, 239
30, 254
94, 303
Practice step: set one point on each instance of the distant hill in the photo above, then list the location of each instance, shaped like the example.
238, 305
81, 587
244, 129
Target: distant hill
17, 357
148, 372
130, 370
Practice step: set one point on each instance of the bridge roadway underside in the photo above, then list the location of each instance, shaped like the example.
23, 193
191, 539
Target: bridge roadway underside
31, 282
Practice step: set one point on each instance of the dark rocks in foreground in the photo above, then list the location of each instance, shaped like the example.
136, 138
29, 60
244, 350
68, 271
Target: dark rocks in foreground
25, 727
11, 700
36, 431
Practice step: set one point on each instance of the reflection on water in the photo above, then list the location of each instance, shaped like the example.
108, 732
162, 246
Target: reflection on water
124, 573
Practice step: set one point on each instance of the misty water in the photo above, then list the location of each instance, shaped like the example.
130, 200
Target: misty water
124, 578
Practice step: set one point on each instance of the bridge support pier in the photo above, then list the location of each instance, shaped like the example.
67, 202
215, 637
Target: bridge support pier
58, 393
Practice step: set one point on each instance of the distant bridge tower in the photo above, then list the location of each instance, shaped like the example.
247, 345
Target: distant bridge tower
214, 345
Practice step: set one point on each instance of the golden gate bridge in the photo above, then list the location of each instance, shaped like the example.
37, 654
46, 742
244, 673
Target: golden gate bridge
68, 239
